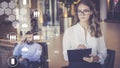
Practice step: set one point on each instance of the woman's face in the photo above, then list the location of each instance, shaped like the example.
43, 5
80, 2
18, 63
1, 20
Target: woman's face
83, 13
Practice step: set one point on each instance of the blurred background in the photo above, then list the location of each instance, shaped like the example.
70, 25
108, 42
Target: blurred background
48, 19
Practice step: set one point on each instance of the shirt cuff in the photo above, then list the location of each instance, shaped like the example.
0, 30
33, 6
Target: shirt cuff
101, 60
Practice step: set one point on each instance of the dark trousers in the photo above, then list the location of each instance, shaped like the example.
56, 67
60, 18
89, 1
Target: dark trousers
23, 64
27, 64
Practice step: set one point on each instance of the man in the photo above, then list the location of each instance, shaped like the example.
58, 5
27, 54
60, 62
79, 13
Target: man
27, 51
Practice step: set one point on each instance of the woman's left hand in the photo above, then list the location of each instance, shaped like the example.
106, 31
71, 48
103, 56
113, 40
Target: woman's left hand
91, 59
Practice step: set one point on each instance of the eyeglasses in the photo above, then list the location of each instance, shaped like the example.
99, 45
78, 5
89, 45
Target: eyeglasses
85, 12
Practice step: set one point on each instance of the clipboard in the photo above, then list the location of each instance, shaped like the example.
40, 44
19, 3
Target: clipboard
77, 55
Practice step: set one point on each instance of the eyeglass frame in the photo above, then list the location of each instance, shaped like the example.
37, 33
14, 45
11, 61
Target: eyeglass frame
84, 12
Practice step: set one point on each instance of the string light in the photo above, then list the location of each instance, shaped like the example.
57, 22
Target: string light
24, 2
76, 2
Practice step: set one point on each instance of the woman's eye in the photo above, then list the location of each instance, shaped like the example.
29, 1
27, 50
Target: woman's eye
86, 10
79, 11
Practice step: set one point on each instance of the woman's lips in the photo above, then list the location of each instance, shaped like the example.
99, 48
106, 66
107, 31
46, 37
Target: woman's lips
83, 17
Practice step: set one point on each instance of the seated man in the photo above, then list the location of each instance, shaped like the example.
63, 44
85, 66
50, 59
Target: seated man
28, 51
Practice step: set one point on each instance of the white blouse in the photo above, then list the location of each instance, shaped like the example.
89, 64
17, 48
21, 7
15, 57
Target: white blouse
75, 35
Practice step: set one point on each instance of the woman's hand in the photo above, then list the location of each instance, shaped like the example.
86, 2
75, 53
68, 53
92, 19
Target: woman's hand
81, 46
91, 59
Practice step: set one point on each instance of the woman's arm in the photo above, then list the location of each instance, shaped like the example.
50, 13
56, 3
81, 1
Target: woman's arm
102, 50
66, 44
102, 53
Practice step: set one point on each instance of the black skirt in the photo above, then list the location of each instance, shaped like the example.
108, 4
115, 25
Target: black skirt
84, 65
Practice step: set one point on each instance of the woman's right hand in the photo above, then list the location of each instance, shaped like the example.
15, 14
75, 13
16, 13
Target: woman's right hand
81, 46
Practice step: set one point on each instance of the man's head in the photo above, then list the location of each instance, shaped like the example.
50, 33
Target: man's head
29, 37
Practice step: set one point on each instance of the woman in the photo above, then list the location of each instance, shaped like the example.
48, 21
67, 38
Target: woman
86, 34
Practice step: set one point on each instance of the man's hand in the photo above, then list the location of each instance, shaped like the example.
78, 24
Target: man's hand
81, 46
91, 59
23, 59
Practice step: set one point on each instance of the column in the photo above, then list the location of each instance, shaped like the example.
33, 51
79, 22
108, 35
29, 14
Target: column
103, 9
25, 24
72, 10
40, 9
67, 22
50, 9
55, 13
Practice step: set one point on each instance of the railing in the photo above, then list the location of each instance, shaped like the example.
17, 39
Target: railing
7, 43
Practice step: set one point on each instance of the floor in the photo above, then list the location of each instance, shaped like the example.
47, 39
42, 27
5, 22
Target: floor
112, 38
5, 52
